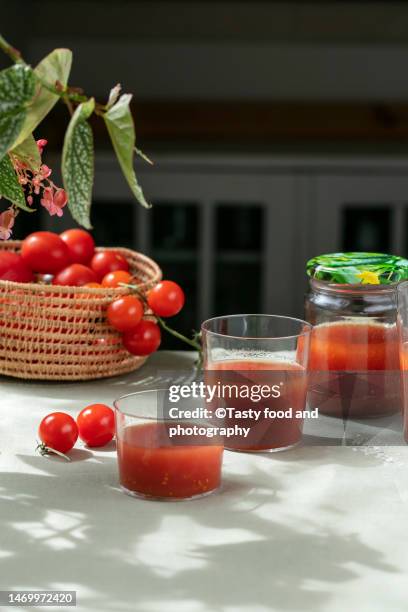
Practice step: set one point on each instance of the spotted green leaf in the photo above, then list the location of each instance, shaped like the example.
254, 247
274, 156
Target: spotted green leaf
119, 122
16, 90
54, 67
10, 188
78, 163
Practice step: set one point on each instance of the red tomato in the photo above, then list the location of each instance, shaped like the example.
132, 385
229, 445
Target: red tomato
144, 339
125, 313
13, 268
93, 285
59, 431
96, 424
75, 275
114, 278
166, 299
45, 252
108, 261
80, 244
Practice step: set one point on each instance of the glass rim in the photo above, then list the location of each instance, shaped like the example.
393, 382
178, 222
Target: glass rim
266, 316
137, 416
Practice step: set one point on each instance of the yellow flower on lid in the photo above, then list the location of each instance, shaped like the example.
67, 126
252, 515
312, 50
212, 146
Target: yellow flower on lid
369, 278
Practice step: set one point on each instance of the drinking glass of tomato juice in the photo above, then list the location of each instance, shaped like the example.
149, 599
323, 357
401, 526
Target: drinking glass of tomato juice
257, 365
153, 463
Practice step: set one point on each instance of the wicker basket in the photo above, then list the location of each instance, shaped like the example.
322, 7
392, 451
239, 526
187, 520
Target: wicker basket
60, 333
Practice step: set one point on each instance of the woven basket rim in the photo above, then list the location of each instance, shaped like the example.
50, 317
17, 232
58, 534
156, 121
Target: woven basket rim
45, 288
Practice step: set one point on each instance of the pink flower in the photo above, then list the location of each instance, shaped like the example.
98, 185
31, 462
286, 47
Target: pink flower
54, 202
45, 171
6, 223
41, 144
60, 198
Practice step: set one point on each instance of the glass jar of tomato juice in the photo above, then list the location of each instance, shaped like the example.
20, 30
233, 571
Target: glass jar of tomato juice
354, 354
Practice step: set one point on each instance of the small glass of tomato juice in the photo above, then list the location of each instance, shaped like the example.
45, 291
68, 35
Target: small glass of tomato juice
257, 366
155, 464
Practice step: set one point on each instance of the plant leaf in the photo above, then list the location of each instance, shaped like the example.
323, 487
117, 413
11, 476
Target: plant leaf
78, 164
140, 153
114, 95
28, 153
16, 90
10, 188
54, 67
119, 122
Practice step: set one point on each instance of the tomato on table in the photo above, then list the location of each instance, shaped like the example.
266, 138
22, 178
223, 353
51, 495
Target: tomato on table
58, 431
96, 424
80, 244
45, 252
108, 261
125, 313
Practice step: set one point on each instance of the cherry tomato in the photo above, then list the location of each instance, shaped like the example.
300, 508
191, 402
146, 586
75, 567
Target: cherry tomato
125, 313
166, 299
108, 261
114, 278
45, 252
144, 339
13, 268
80, 244
75, 275
59, 431
93, 285
96, 424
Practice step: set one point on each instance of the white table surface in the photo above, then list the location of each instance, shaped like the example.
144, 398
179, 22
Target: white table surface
317, 528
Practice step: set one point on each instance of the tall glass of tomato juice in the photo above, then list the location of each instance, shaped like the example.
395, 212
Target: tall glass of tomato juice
154, 462
258, 366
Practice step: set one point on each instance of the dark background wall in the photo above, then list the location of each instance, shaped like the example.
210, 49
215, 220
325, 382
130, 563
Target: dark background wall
279, 130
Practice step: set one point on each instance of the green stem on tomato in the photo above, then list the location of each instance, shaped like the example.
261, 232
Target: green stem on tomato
47, 450
176, 334
190, 341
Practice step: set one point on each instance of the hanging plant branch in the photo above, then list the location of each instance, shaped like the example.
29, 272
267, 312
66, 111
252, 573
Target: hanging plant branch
27, 95
194, 342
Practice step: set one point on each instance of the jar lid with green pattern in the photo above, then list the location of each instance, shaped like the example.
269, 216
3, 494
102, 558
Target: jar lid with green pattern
358, 268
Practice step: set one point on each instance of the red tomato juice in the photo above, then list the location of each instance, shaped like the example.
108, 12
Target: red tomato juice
153, 465
404, 380
354, 369
267, 433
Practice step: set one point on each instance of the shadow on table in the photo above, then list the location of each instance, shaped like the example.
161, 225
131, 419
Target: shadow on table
150, 376
71, 525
